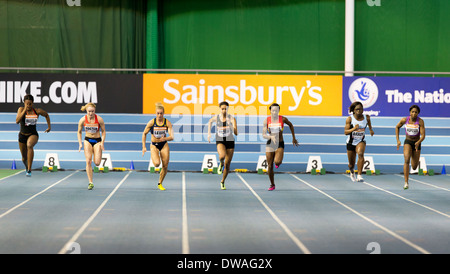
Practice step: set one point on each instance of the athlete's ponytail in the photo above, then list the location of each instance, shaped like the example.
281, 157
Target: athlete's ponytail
159, 106
83, 108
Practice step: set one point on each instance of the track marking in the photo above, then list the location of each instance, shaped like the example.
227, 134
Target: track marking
67, 247
428, 184
392, 233
409, 200
11, 175
406, 199
34, 196
291, 235
185, 234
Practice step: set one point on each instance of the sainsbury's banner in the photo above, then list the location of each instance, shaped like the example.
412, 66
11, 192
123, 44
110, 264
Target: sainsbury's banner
246, 94
392, 96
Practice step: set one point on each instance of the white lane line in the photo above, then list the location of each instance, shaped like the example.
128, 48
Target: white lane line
392, 233
185, 234
428, 184
68, 246
409, 200
34, 196
291, 235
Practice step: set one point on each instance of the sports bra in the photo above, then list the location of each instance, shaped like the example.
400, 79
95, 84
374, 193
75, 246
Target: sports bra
358, 135
223, 128
28, 122
412, 130
275, 126
91, 128
159, 131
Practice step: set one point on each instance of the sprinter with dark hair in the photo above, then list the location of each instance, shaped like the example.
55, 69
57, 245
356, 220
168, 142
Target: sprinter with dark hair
355, 128
225, 127
28, 116
415, 134
273, 131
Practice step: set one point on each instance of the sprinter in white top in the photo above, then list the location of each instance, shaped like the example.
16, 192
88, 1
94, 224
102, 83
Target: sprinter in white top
355, 128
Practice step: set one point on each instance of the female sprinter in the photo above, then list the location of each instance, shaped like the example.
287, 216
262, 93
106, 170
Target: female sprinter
225, 127
161, 132
415, 134
93, 143
27, 116
273, 131
355, 128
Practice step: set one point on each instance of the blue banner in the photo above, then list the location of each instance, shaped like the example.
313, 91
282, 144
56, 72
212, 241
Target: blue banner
392, 96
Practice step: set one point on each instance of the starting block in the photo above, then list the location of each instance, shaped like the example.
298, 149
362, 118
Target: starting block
51, 168
321, 171
210, 170
261, 171
102, 169
372, 172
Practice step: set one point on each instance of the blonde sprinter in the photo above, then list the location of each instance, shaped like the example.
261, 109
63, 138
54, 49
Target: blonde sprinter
93, 142
161, 132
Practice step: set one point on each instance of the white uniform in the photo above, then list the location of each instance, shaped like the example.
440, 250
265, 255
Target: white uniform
358, 135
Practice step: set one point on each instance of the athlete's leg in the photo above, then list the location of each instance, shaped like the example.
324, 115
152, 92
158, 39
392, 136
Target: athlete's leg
407, 153
88, 151
165, 156
32, 141
360, 148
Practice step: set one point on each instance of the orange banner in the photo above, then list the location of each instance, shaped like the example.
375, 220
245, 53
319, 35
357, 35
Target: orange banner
298, 95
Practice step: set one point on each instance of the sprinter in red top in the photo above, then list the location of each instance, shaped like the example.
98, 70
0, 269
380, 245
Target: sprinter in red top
273, 127
93, 142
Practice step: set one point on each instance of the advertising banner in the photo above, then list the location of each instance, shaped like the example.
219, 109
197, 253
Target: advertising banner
246, 94
113, 93
393, 96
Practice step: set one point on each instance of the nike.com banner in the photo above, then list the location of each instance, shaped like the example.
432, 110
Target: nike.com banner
393, 96
112, 93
